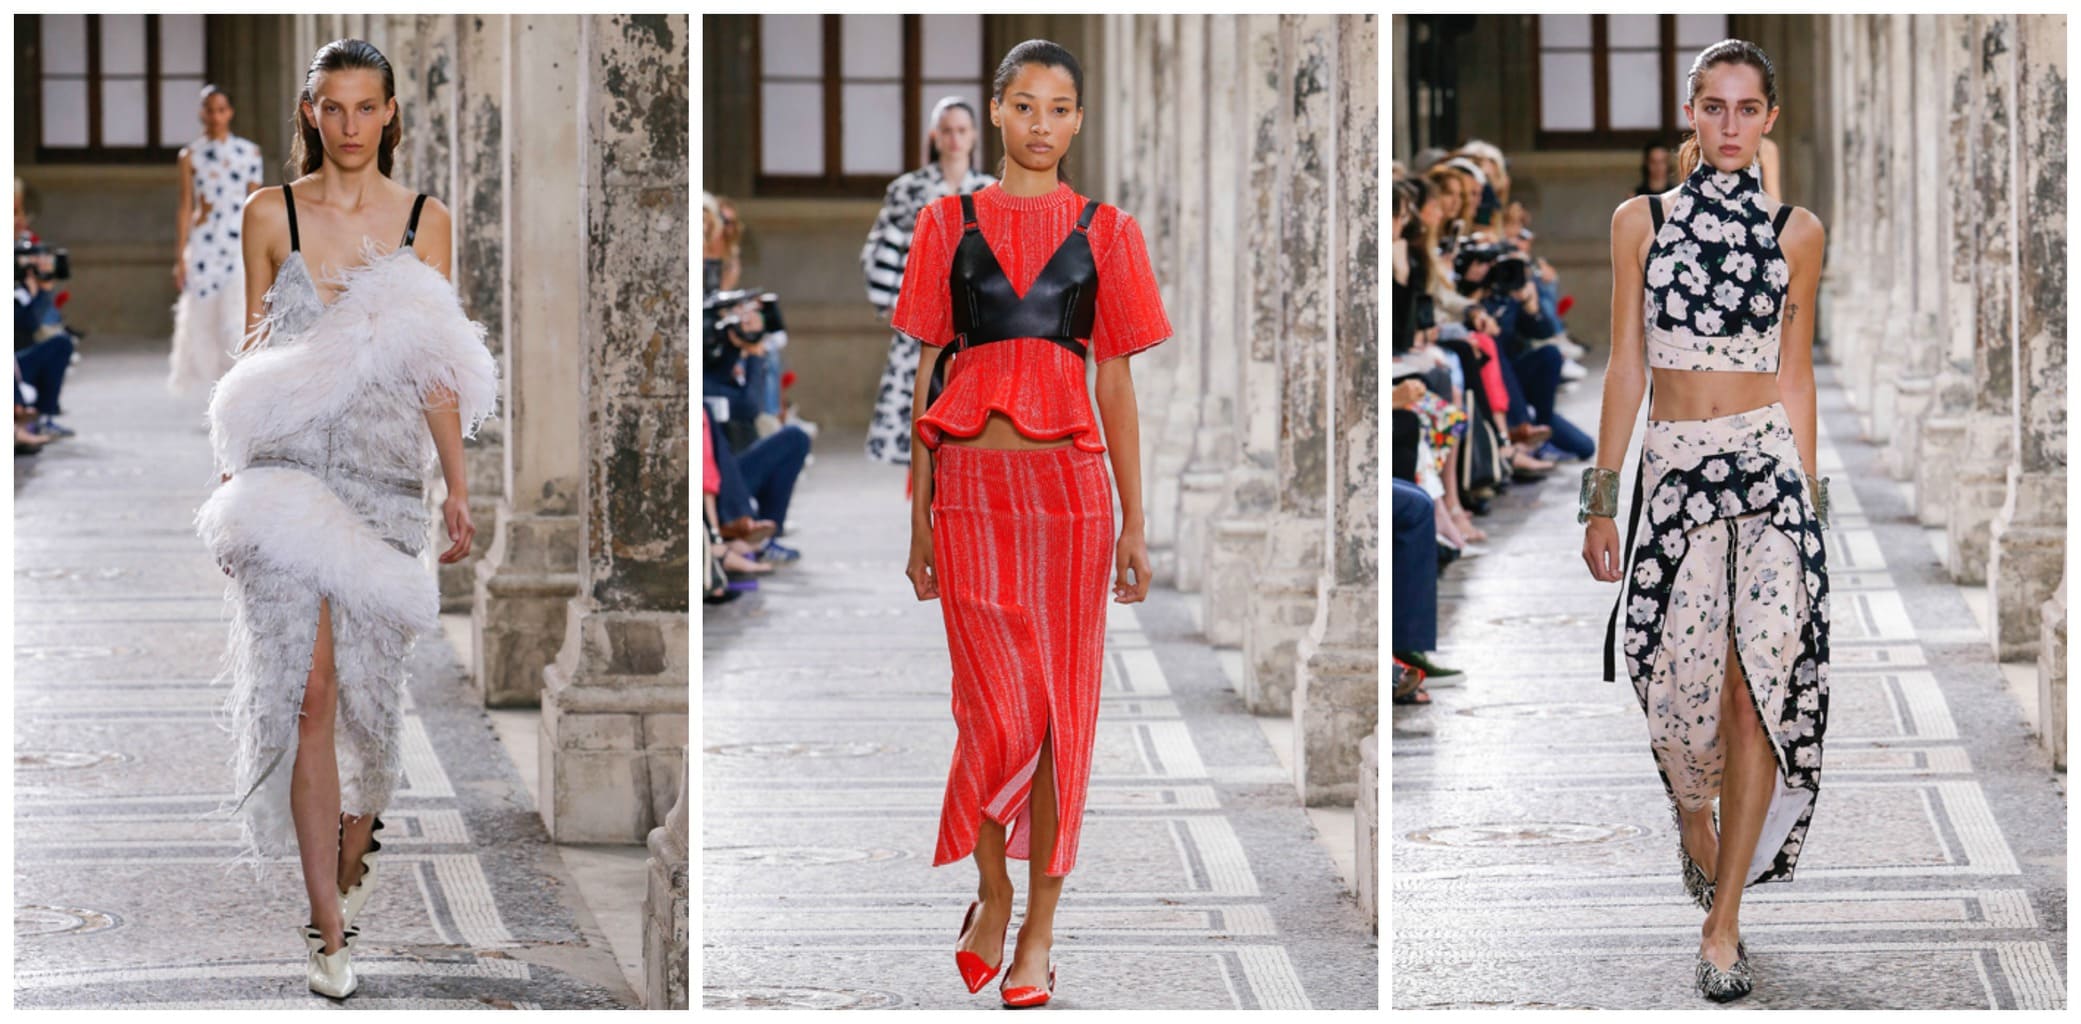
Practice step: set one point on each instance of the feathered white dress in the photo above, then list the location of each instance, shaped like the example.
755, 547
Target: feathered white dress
321, 424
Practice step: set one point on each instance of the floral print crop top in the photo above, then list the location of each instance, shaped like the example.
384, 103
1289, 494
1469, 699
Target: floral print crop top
1716, 278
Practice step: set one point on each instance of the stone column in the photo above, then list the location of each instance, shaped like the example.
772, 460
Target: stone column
1943, 429
1979, 484
1366, 825
1179, 74
614, 702
1893, 190
2052, 676
529, 573
1925, 346
478, 203
1838, 288
1214, 444
665, 947
1282, 604
2027, 539
1241, 523
1193, 485
1336, 696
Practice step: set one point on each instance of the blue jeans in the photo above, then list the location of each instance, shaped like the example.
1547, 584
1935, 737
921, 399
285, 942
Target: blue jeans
1534, 378
1415, 569
762, 377
43, 368
760, 480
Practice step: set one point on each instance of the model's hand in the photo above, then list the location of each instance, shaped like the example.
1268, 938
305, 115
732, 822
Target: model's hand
924, 579
1600, 548
456, 511
180, 275
1131, 554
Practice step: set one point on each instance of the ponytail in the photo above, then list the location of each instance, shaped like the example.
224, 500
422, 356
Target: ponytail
1687, 157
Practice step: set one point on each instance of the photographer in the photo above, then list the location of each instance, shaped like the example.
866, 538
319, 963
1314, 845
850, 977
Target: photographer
737, 328
1499, 279
42, 347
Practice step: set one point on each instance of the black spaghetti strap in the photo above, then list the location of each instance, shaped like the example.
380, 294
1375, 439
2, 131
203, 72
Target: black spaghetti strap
1654, 203
1084, 220
289, 204
968, 222
1611, 625
1777, 223
412, 226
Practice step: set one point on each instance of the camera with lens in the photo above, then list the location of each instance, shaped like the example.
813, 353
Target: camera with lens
1508, 270
29, 257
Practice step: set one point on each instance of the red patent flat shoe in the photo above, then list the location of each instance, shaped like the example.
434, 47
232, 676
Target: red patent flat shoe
973, 970
1019, 997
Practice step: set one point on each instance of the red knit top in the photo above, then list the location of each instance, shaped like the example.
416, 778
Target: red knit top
1036, 383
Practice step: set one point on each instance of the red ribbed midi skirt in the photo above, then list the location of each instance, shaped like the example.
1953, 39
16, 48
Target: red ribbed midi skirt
1022, 544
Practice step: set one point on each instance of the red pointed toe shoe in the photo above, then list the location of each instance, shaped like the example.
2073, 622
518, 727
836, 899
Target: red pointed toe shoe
1019, 997
973, 970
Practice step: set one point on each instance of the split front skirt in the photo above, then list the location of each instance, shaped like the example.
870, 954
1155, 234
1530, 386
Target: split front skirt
1730, 543
1022, 548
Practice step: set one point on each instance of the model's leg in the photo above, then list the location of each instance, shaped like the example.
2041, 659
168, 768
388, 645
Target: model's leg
314, 786
1745, 791
994, 888
1043, 890
356, 835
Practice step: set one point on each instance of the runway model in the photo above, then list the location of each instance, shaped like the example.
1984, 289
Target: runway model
343, 398
1725, 595
218, 171
1011, 523
948, 170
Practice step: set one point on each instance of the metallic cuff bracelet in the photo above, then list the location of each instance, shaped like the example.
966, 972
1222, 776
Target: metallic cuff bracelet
1817, 490
1600, 494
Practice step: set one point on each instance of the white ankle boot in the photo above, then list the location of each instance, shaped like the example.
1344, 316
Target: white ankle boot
352, 900
331, 974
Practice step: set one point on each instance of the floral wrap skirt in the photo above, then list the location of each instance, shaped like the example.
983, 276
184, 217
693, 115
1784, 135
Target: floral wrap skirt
1730, 547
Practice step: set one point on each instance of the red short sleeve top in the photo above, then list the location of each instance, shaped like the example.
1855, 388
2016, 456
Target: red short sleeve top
1036, 383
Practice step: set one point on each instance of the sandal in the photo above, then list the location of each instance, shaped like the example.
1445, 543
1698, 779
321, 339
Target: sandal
1409, 684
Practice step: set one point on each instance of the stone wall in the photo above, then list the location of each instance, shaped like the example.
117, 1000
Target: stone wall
1947, 297
1246, 146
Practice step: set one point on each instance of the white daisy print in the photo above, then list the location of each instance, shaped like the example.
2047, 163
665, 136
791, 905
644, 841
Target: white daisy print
1716, 470
1727, 295
1661, 270
1705, 227
1708, 322
1761, 305
1776, 273
1699, 508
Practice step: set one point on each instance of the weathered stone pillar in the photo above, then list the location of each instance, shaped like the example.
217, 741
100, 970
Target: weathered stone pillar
1366, 825
2052, 676
1894, 192
614, 703
2027, 539
1179, 74
1192, 486
1943, 428
1923, 342
1336, 696
1980, 481
1282, 605
1251, 486
1838, 287
530, 571
478, 203
1214, 445
665, 947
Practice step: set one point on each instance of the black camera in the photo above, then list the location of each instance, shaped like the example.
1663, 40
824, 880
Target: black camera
28, 259
1507, 270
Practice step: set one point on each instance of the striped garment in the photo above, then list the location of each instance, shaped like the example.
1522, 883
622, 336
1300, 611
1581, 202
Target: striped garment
888, 242
1022, 544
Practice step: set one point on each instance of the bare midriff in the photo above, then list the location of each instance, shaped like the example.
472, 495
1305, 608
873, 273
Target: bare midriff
998, 432
1705, 394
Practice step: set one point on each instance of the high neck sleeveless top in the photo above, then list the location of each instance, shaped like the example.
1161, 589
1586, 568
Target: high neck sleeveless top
1716, 278
1022, 358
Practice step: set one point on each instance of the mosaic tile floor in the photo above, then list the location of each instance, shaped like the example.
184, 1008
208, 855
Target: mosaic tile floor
119, 620
1532, 846
827, 735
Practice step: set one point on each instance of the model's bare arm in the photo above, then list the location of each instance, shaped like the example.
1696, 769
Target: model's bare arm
1803, 243
182, 220
1116, 407
923, 574
263, 232
435, 246
1625, 376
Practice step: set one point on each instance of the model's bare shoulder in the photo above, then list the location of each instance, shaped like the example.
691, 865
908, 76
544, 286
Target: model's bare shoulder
1630, 222
265, 218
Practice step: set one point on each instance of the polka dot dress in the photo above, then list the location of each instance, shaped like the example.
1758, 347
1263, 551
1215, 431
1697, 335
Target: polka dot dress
209, 317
